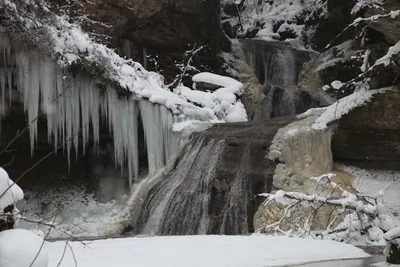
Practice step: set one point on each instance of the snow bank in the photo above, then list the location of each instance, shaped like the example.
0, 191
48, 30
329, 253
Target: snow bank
200, 251
22, 248
12, 192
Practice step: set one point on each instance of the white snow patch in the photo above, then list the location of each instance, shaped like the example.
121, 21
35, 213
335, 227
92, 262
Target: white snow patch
22, 248
386, 59
337, 85
12, 192
200, 251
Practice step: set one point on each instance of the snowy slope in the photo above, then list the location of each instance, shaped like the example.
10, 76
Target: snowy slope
200, 251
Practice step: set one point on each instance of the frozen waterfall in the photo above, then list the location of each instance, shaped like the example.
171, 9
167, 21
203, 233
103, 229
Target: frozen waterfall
75, 106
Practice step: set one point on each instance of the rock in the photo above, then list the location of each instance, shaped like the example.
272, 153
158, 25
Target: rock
393, 254
156, 23
252, 89
369, 136
388, 26
392, 250
304, 154
298, 218
326, 29
338, 62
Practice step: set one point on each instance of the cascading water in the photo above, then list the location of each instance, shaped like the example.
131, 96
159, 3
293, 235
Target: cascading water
213, 187
277, 67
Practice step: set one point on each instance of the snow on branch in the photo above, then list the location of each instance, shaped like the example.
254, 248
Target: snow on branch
349, 216
71, 47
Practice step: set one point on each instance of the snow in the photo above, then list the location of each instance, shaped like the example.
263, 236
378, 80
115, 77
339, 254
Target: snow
377, 183
69, 45
361, 4
387, 59
337, 85
21, 248
392, 234
200, 251
227, 82
12, 192
344, 106
269, 19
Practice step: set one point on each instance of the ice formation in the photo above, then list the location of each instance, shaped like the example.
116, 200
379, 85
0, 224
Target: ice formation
69, 45
75, 107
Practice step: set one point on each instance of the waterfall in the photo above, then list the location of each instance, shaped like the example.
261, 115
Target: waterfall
75, 106
213, 187
277, 67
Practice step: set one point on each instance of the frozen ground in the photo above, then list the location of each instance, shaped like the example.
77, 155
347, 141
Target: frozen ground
75, 212
200, 251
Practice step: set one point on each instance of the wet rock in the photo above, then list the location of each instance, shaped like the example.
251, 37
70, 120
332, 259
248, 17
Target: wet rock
217, 178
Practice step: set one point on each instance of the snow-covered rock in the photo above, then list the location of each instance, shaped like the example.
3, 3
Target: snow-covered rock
9, 191
22, 248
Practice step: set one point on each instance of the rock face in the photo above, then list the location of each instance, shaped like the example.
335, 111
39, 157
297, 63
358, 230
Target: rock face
304, 154
156, 33
212, 189
160, 23
369, 136
253, 95
336, 63
329, 28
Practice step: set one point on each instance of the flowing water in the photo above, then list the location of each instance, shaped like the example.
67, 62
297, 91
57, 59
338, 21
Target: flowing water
277, 66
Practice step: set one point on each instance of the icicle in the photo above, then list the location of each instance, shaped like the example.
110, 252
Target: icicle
160, 141
73, 107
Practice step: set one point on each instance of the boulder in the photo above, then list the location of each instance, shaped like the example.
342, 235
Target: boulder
388, 26
369, 136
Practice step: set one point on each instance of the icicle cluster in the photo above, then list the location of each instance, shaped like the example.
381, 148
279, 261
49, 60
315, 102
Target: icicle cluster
75, 106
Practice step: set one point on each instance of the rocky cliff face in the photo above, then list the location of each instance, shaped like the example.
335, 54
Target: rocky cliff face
156, 33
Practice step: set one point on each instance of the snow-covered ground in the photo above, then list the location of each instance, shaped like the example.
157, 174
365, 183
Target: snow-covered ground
383, 184
74, 211
193, 251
